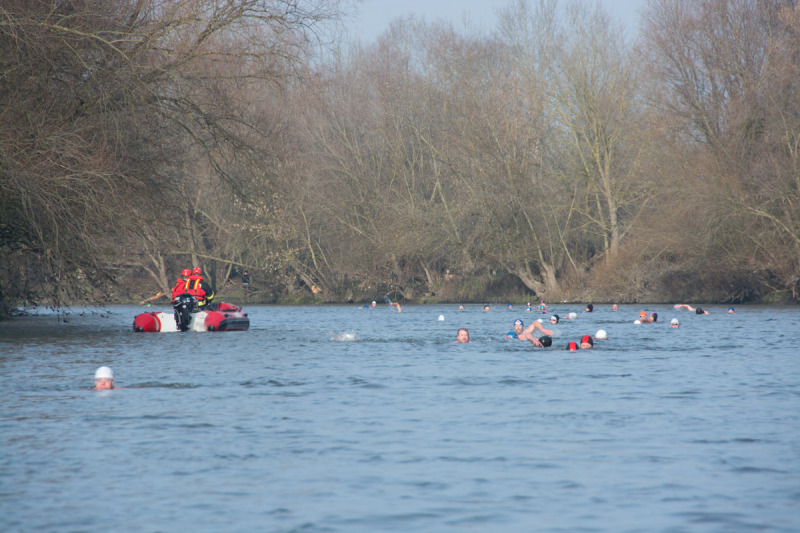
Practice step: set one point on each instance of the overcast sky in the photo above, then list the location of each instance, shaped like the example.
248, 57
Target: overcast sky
374, 16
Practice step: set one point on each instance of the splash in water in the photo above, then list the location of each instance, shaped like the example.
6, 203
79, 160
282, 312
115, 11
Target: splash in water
347, 336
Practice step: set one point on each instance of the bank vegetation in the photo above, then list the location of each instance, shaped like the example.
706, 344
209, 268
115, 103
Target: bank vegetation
554, 157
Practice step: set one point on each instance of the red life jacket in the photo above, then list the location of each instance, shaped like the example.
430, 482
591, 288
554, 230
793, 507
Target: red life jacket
193, 287
180, 287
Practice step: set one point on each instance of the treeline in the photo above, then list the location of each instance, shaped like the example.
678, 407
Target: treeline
554, 157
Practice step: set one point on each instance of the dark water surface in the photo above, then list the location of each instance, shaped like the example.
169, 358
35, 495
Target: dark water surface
285, 428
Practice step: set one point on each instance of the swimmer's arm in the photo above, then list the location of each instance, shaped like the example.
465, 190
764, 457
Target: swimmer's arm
536, 325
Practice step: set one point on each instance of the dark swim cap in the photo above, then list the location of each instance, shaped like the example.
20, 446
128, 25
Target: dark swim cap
546, 341
572, 346
654, 316
590, 307
556, 317
587, 339
699, 311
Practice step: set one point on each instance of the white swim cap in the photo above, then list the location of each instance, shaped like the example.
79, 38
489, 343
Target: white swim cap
441, 317
573, 315
674, 321
104, 372
636, 322
601, 334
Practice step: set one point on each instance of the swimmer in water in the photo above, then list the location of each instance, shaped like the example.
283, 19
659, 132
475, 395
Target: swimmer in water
699, 310
554, 319
674, 323
527, 333
615, 307
546, 341
572, 346
399, 309
589, 308
462, 335
519, 325
601, 334
104, 379
586, 342
461, 306
731, 311
486, 308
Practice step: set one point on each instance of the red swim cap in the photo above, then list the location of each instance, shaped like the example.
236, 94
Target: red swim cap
572, 346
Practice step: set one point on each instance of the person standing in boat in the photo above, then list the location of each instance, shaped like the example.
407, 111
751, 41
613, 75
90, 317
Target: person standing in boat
181, 285
198, 287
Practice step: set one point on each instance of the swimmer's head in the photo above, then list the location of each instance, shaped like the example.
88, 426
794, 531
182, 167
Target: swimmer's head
674, 323
601, 334
586, 342
637, 322
699, 311
643, 315
589, 308
653, 317
519, 322
546, 341
104, 372
554, 319
572, 346
573, 315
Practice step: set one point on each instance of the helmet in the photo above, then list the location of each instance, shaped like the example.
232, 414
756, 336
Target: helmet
198, 271
186, 272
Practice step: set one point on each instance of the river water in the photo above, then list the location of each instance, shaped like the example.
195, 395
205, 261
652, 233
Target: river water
345, 419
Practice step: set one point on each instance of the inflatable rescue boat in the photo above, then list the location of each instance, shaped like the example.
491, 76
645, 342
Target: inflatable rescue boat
223, 317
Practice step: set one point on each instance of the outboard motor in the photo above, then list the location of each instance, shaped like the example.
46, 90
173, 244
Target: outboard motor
183, 304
